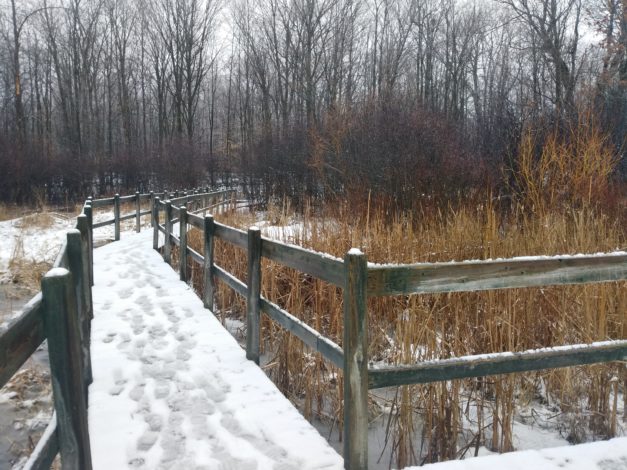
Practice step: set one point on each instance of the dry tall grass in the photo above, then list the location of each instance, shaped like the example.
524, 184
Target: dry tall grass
556, 210
442, 420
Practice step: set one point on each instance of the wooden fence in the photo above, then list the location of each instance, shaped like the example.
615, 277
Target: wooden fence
62, 313
360, 280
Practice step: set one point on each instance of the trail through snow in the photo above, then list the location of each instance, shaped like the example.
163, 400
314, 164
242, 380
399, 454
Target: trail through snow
172, 388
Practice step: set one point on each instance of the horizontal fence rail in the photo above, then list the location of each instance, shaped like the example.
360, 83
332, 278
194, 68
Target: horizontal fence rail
318, 265
497, 363
304, 332
501, 274
20, 339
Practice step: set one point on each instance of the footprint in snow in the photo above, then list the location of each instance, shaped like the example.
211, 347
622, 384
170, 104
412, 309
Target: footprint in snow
125, 293
137, 462
125, 339
154, 421
157, 331
167, 308
215, 393
109, 337
137, 392
147, 440
119, 382
162, 389
228, 462
143, 302
182, 354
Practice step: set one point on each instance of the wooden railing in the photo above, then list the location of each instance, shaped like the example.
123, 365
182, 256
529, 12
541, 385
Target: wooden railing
360, 280
61, 314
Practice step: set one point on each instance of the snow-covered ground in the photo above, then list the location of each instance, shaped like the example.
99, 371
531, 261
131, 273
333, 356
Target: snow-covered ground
172, 388
603, 455
24, 239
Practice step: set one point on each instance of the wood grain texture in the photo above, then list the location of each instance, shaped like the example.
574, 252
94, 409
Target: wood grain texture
116, 216
82, 294
155, 223
167, 246
253, 330
304, 332
138, 210
62, 329
486, 275
232, 235
230, 280
498, 363
208, 279
20, 339
183, 243
309, 262
355, 343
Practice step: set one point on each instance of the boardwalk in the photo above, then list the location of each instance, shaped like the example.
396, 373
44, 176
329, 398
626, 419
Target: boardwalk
172, 388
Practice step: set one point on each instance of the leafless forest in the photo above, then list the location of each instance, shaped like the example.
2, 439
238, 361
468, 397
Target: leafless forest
315, 97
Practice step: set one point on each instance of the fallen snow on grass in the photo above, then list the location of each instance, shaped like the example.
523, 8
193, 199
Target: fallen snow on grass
26, 240
603, 455
172, 388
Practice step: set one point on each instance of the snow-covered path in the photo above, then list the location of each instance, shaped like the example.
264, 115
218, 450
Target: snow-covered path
172, 388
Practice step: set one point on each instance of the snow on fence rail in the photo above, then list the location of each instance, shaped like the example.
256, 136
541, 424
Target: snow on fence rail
360, 280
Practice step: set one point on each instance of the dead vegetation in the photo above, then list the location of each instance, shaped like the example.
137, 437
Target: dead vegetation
440, 421
28, 396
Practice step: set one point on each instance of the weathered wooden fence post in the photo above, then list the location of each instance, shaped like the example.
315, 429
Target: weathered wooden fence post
208, 282
254, 293
87, 209
355, 344
138, 209
82, 293
83, 226
116, 215
63, 332
155, 223
183, 243
152, 201
167, 248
